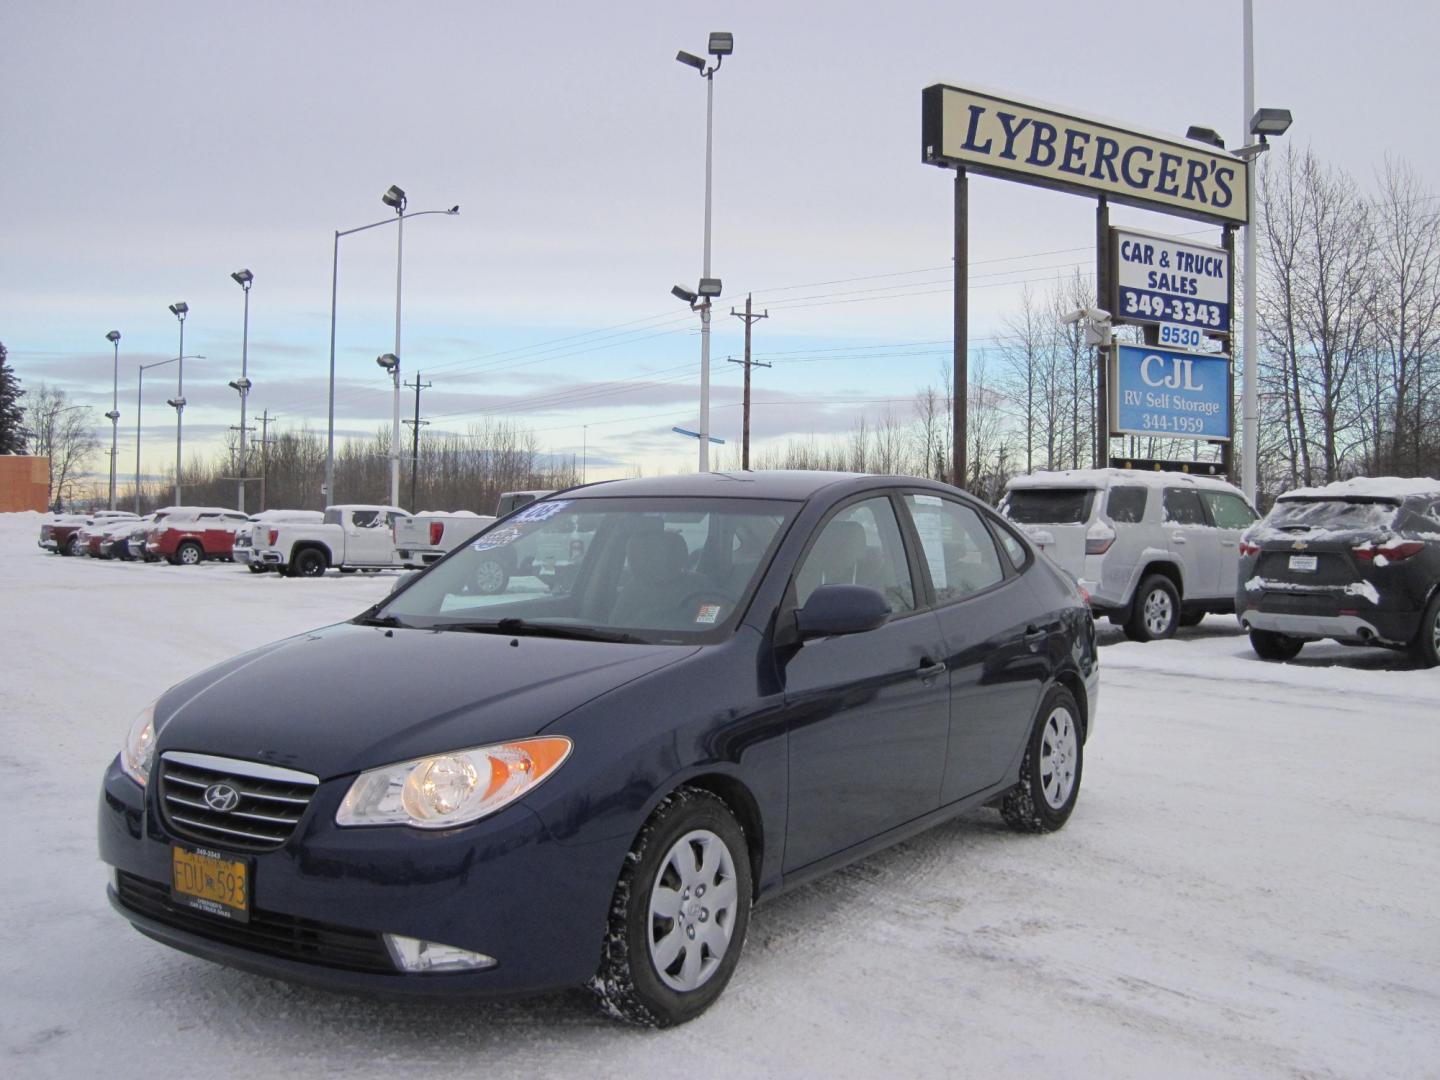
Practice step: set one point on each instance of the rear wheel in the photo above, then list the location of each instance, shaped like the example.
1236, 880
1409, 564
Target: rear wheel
188, 554
1192, 618
679, 915
1269, 645
310, 563
1050, 773
71, 546
1156, 610
1426, 646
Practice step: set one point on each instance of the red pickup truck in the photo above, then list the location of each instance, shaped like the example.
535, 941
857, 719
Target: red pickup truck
192, 534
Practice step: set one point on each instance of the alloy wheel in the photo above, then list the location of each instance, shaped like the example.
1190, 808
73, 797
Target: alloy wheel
1159, 612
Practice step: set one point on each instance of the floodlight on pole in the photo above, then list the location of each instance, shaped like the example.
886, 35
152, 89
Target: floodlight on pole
395, 199
179, 309
1267, 122
1205, 135
398, 196
720, 45
114, 414
682, 293
243, 278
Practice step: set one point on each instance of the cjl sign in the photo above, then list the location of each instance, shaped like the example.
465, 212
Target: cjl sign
1170, 394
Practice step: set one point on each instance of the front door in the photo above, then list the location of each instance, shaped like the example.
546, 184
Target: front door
868, 713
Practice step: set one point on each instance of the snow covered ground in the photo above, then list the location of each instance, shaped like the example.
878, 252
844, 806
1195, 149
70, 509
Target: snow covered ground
1249, 886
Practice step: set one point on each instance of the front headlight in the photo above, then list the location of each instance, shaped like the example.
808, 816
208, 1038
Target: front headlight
138, 753
451, 789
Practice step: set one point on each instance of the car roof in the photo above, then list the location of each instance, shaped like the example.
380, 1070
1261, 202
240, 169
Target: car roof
1103, 478
793, 485
1370, 487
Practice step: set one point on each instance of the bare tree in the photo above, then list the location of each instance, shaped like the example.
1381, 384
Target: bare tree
64, 434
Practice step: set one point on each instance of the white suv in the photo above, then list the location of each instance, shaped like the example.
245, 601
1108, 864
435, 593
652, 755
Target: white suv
1155, 550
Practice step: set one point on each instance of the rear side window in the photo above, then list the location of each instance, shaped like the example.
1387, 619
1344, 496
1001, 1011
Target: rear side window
1050, 506
1182, 507
1227, 511
1126, 504
957, 547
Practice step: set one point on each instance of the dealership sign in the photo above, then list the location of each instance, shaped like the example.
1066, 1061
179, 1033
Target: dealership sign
1169, 394
1161, 280
992, 136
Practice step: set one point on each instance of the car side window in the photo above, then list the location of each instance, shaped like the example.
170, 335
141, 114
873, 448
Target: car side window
1182, 507
1228, 511
1126, 503
365, 519
860, 545
958, 549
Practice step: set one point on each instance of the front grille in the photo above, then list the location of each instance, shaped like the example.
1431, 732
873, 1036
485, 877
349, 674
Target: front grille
272, 800
267, 932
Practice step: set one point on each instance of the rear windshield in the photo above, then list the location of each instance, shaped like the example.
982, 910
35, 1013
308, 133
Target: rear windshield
1050, 506
1333, 514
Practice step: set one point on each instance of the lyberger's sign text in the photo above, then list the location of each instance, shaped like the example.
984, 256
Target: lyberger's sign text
990, 135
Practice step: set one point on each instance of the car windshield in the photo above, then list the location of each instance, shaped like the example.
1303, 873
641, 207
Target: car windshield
655, 570
1333, 514
1049, 506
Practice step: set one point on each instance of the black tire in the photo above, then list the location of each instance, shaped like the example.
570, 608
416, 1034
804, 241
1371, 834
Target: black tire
1426, 646
1050, 772
309, 563
347, 569
1269, 645
1192, 618
71, 547
189, 553
629, 982
491, 577
1155, 612
257, 568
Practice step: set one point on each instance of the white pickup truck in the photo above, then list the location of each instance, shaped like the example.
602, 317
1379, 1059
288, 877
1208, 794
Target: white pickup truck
352, 537
421, 539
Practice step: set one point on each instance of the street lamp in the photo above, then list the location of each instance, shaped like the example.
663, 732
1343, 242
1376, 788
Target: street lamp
114, 414
243, 278
334, 285
395, 199
720, 45
139, 411
1261, 123
179, 309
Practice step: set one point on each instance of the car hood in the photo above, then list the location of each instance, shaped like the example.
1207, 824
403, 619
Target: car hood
348, 697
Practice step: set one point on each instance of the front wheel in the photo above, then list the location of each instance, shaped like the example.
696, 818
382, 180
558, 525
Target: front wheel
1426, 646
679, 914
1269, 645
1156, 610
1050, 773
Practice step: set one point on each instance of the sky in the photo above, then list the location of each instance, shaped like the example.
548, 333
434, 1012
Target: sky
150, 149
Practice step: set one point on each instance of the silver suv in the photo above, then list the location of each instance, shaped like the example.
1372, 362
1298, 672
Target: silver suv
1154, 550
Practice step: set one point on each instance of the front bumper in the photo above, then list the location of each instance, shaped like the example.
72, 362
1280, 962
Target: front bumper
502, 887
48, 545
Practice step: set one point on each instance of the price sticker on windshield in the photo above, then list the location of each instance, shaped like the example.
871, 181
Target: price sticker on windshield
541, 511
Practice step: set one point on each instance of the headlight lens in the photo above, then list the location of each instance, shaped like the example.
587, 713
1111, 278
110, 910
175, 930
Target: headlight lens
451, 789
138, 753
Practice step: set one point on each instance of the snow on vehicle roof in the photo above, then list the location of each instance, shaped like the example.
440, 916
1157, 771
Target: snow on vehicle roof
288, 515
1099, 478
1373, 487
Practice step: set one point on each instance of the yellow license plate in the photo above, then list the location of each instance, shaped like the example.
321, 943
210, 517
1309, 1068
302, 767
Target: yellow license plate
210, 881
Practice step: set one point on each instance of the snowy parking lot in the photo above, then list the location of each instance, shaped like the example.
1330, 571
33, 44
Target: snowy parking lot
1248, 886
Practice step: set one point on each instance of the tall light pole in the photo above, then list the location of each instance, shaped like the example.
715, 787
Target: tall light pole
139, 409
395, 198
334, 287
243, 278
179, 309
1261, 123
721, 45
114, 414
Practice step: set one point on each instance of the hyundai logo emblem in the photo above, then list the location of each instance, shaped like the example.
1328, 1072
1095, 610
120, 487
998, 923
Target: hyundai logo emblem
222, 798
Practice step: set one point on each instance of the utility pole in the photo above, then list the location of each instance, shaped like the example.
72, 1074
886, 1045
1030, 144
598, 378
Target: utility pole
415, 436
750, 318
265, 422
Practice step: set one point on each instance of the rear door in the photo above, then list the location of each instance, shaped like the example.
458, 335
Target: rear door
1230, 515
992, 631
368, 540
1194, 542
1055, 519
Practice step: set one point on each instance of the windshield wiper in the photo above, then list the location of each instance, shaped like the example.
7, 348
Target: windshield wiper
381, 620
521, 628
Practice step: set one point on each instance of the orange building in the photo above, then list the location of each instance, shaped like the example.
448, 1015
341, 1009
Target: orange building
24, 483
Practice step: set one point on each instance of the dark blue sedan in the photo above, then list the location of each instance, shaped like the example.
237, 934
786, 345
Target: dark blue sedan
725, 685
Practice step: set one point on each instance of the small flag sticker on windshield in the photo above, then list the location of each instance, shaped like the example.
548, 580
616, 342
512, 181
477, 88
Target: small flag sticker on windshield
708, 613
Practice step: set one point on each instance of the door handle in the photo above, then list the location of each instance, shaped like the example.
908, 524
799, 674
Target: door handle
1034, 636
930, 669
1227, 543
1178, 538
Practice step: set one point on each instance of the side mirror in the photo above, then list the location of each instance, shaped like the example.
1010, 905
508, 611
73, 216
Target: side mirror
841, 609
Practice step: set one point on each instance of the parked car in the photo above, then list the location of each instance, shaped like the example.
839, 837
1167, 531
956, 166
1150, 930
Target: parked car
421, 539
141, 533
1356, 561
191, 534
59, 533
115, 541
250, 537
351, 537
1154, 550
751, 680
